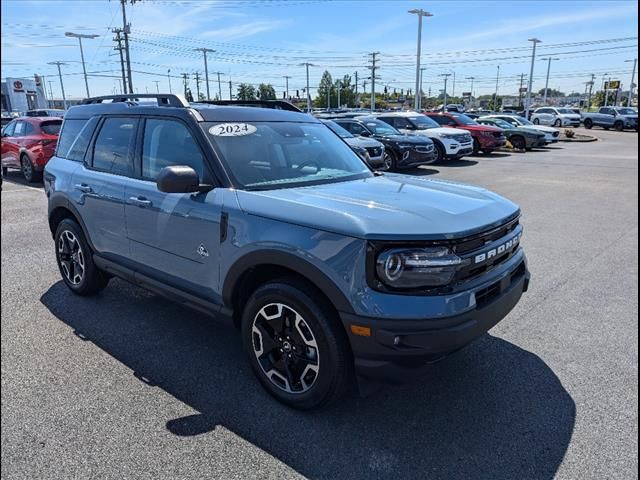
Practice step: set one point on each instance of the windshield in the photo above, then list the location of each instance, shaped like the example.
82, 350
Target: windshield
565, 110
423, 122
522, 120
463, 119
379, 127
337, 129
270, 155
497, 122
626, 111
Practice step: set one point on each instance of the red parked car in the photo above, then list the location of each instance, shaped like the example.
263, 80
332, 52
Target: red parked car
485, 138
28, 143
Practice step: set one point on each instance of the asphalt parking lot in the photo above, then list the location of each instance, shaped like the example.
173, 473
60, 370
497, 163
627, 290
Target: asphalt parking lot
129, 385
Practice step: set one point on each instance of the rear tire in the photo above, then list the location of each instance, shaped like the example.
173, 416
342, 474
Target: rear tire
75, 260
28, 172
476, 147
588, 124
289, 329
557, 123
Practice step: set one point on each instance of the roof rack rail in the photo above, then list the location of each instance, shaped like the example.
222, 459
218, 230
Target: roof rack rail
275, 104
168, 100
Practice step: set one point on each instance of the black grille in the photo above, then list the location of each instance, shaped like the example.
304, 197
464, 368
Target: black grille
424, 148
477, 241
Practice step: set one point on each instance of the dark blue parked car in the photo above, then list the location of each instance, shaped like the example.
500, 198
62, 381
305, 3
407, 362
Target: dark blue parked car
265, 216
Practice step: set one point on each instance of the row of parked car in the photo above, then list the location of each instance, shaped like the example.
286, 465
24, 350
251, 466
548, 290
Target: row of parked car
399, 140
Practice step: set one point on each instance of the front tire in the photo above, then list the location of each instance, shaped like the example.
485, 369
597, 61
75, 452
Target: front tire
476, 146
557, 123
518, 142
5, 170
588, 124
296, 345
75, 260
536, 121
440, 153
619, 126
389, 163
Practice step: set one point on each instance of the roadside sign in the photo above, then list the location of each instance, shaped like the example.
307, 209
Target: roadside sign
466, 94
612, 85
523, 89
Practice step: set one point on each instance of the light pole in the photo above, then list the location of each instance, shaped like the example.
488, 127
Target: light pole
286, 88
169, 78
631, 84
420, 13
80, 36
446, 77
471, 97
495, 98
533, 60
206, 68
64, 98
546, 85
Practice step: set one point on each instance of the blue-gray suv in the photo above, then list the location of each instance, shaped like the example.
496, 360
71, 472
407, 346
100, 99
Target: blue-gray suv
331, 271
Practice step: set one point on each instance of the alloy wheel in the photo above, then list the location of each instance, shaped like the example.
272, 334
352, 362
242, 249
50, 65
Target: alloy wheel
285, 348
387, 162
27, 169
71, 257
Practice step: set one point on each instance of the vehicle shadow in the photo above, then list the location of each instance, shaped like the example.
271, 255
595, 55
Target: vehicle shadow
492, 411
424, 170
461, 162
15, 177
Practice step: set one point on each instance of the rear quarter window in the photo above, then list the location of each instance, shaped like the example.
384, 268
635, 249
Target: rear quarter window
51, 128
75, 137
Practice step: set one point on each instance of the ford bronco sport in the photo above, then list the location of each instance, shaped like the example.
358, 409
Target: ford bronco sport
331, 271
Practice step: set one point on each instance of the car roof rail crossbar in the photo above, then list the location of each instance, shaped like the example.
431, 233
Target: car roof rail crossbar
168, 99
275, 104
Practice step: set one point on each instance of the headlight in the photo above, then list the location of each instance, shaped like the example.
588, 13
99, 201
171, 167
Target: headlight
417, 267
404, 145
362, 152
449, 135
487, 134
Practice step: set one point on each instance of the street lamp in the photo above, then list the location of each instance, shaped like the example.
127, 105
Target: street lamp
546, 85
446, 77
80, 36
420, 13
533, 60
307, 64
631, 85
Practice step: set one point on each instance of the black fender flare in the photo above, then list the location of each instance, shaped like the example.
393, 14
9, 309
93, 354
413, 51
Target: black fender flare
57, 200
291, 262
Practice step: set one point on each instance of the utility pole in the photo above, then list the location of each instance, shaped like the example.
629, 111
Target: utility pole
230, 91
120, 49
286, 79
419, 95
219, 85
533, 61
453, 89
197, 75
307, 64
157, 86
206, 68
420, 13
373, 79
519, 90
185, 77
495, 98
546, 85
84, 69
631, 84
169, 79
64, 98
126, 29
606, 91
446, 77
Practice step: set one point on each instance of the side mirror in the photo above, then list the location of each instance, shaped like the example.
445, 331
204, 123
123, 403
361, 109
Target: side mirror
179, 179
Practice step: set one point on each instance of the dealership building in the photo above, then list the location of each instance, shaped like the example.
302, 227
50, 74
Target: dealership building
22, 94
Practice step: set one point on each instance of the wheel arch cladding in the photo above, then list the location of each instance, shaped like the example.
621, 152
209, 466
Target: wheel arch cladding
259, 266
60, 209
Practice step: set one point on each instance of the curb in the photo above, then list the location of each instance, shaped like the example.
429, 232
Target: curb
584, 139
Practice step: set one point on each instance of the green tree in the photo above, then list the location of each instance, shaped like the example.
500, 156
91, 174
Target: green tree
266, 92
246, 92
552, 92
202, 96
326, 89
347, 91
598, 99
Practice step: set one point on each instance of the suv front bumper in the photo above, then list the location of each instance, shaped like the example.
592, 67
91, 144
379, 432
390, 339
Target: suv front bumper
396, 347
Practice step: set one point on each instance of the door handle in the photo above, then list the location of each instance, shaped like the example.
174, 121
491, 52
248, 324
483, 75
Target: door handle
84, 188
140, 201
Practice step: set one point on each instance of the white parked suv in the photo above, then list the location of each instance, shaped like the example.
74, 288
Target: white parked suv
558, 117
450, 143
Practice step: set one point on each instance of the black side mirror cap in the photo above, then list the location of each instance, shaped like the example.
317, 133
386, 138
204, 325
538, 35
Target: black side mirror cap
180, 179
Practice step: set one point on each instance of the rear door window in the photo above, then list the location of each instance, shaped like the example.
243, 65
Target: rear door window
71, 130
52, 127
20, 128
113, 148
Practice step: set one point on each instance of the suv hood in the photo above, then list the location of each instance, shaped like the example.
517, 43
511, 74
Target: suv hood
388, 207
362, 142
542, 128
436, 132
408, 139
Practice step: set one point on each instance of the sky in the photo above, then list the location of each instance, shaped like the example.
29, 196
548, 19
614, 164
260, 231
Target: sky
265, 40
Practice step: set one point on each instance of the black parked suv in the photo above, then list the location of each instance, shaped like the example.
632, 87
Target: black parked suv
401, 151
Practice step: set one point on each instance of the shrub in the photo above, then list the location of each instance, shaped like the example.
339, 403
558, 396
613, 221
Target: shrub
569, 133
